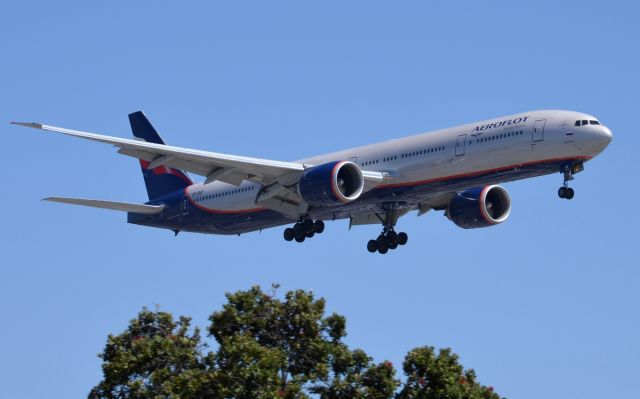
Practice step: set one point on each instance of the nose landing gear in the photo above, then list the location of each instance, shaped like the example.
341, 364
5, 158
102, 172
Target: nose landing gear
303, 229
565, 191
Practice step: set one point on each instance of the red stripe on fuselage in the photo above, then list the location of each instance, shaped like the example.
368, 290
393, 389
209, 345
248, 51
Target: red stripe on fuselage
417, 183
481, 172
221, 211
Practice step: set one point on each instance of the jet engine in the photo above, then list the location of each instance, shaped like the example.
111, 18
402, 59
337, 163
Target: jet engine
331, 184
479, 207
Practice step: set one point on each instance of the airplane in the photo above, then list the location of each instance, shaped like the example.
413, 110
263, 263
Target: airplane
455, 170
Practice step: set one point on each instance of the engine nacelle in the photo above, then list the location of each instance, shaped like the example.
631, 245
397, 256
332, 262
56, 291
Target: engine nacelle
480, 207
331, 184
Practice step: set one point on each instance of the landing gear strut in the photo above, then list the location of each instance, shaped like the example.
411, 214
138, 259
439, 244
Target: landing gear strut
565, 191
303, 229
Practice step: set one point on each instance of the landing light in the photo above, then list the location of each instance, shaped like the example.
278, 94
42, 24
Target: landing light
579, 167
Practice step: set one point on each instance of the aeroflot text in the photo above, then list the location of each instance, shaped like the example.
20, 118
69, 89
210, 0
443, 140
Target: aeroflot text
514, 121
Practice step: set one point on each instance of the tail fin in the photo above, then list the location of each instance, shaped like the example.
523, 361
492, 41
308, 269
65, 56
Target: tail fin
161, 180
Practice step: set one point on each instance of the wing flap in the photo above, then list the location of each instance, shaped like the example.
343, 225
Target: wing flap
112, 205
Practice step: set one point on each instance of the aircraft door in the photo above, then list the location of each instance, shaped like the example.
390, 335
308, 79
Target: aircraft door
460, 144
538, 130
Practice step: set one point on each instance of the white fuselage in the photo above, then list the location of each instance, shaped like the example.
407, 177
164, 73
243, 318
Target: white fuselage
476, 148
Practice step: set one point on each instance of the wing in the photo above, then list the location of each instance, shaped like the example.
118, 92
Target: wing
231, 169
213, 165
116, 206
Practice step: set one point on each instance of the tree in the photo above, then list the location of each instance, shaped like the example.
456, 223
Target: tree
431, 376
154, 357
268, 347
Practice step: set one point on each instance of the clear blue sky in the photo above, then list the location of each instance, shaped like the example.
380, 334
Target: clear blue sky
544, 305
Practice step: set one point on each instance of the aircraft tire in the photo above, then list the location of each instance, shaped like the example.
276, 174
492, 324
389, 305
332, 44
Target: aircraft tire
307, 225
289, 234
318, 226
297, 229
570, 193
562, 192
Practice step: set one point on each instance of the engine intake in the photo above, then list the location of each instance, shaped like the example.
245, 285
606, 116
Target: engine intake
480, 207
331, 184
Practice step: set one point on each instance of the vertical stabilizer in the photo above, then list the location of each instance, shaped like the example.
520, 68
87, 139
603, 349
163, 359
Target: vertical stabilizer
160, 180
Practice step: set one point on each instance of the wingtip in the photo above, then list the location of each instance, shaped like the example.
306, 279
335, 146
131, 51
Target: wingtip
28, 124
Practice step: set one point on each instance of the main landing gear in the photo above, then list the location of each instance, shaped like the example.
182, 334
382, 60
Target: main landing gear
387, 240
565, 191
305, 228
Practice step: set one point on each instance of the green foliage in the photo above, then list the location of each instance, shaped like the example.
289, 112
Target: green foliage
431, 376
268, 348
154, 357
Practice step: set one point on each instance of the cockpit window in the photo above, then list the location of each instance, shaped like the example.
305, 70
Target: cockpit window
585, 122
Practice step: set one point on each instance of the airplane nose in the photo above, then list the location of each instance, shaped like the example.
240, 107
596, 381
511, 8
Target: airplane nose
605, 135
596, 139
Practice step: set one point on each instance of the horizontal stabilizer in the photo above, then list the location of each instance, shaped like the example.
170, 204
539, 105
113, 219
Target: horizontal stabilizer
116, 206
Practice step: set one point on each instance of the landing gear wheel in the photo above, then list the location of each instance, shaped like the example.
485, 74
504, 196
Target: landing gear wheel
392, 236
383, 244
303, 229
289, 234
297, 229
562, 192
569, 193
307, 225
388, 239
